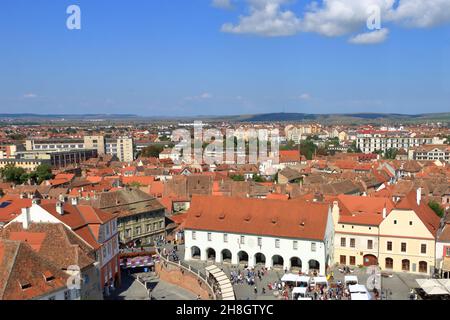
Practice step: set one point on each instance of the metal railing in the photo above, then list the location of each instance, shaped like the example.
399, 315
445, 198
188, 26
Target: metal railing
187, 267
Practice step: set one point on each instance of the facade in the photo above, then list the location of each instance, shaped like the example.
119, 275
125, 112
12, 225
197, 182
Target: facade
443, 249
140, 217
98, 230
26, 164
274, 233
121, 147
356, 223
58, 158
432, 153
370, 142
407, 237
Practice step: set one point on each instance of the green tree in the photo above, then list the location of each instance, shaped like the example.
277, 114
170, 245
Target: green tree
447, 140
42, 173
353, 148
308, 149
14, 174
437, 208
258, 178
152, 151
237, 177
390, 153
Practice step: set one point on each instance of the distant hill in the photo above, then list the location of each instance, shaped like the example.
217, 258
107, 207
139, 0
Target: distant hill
347, 118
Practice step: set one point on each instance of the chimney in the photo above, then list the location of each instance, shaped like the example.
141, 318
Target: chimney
59, 208
384, 213
61, 198
27, 218
419, 196
75, 201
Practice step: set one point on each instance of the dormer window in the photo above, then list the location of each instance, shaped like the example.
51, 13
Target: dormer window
25, 286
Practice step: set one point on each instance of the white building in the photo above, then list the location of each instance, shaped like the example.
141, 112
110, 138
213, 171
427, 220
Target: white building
272, 233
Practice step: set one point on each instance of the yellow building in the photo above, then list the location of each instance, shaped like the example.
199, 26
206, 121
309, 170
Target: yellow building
408, 236
398, 237
356, 225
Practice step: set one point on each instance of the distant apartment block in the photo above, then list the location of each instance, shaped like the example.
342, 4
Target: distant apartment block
121, 147
370, 142
432, 153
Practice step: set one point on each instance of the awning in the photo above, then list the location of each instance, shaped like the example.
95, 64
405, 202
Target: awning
357, 288
351, 279
433, 286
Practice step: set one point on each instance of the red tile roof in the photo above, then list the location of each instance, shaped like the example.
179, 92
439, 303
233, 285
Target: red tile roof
278, 218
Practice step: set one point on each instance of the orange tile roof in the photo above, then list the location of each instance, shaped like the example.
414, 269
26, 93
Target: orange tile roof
278, 218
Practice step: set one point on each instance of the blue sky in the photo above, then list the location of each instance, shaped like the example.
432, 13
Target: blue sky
191, 57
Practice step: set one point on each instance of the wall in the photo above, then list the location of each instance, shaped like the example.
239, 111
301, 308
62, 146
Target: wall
185, 280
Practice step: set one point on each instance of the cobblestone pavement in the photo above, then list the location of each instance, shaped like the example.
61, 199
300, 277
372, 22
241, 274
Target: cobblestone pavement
131, 289
396, 287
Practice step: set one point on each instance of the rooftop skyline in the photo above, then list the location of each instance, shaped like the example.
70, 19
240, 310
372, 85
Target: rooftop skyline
219, 57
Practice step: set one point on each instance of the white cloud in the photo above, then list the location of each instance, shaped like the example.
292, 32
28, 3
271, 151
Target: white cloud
266, 19
372, 37
29, 96
334, 18
222, 4
203, 96
305, 96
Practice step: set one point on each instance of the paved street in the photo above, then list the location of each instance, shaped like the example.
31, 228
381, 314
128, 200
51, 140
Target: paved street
397, 287
132, 289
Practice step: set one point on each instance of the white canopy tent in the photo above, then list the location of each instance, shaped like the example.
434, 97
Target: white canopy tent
351, 280
290, 277
301, 291
434, 287
359, 292
319, 280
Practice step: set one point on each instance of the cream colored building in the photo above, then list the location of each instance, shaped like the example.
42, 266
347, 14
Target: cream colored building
398, 237
408, 237
356, 224
95, 142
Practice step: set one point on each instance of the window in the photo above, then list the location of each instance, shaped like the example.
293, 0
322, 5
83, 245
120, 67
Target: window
423, 249
295, 245
447, 252
403, 247
137, 231
389, 246
410, 223
277, 243
128, 233
352, 260
343, 259
209, 236
194, 235
260, 241
370, 244
395, 221
389, 263
405, 265
313, 247
242, 240
343, 242
225, 237
352, 243
423, 267
149, 227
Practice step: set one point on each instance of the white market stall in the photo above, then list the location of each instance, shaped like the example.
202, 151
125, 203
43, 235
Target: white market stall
359, 292
350, 280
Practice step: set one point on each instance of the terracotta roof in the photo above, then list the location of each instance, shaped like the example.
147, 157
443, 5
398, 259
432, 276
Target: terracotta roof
22, 273
363, 210
289, 156
423, 211
278, 218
